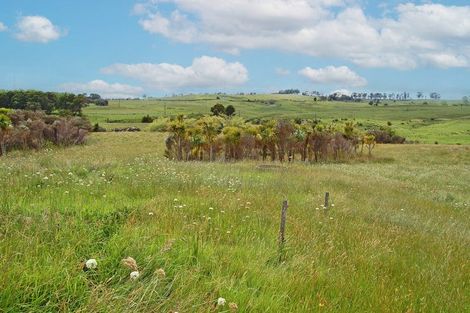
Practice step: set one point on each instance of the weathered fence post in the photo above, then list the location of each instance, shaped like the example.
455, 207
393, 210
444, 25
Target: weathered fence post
327, 198
282, 229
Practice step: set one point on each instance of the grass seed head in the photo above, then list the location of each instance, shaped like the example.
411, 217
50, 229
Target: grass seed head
233, 306
160, 273
130, 263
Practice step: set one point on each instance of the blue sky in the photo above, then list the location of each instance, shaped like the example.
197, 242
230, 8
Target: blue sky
157, 47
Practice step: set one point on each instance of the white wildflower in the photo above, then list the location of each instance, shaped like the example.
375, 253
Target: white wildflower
91, 264
134, 275
221, 301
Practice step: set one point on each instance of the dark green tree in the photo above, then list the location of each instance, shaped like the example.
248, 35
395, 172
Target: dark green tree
218, 109
230, 110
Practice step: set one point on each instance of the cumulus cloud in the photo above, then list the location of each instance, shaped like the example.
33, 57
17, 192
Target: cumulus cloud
2, 27
177, 26
204, 72
415, 36
345, 92
37, 29
105, 89
330, 75
139, 9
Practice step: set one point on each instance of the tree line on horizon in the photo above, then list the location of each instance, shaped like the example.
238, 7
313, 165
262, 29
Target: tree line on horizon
49, 102
358, 96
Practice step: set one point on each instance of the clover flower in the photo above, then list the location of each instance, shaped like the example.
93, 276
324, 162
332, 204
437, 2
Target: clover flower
91, 264
221, 301
134, 275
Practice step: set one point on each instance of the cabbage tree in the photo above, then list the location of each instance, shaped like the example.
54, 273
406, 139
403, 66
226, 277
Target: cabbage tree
5, 126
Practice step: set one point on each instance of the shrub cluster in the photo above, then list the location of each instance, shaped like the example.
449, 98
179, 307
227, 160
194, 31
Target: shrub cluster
158, 125
386, 135
147, 119
98, 129
216, 138
21, 129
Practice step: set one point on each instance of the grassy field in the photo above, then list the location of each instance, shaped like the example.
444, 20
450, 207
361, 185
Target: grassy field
426, 122
396, 240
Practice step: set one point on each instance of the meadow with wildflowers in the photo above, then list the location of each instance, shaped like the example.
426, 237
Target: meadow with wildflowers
113, 226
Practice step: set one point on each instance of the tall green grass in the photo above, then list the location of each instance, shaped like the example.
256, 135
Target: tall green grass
396, 239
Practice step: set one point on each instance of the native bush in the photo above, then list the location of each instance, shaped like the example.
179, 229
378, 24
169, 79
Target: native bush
213, 138
386, 135
158, 125
5, 126
22, 129
98, 129
147, 119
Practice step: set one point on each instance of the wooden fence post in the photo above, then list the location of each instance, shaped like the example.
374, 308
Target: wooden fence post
327, 198
282, 229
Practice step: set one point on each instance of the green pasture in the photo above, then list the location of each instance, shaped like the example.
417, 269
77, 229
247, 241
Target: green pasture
445, 122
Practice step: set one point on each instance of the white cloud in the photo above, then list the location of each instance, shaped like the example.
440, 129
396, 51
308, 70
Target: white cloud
416, 36
445, 60
139, 9
345, 92
2, 27
204, 72
106, 90
177, 26
37, 29
339, 76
